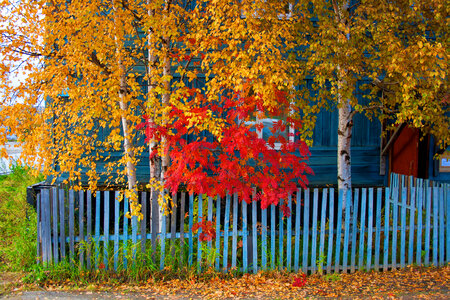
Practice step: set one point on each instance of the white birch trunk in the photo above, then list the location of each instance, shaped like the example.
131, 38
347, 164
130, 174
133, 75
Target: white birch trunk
127, 142
154, 162
344, 175
345, 125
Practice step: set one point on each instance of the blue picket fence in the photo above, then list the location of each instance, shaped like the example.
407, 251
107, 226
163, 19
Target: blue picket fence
381, 228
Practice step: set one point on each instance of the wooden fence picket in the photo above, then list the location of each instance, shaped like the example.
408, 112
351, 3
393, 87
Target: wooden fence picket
71, 226
441, 226
330, 232
106, 229
81, 228
116, 229
62, 228
305, 231
369, 231
427, 224
254, 235
89, 228
55, 225
314, 230
234, 232
226, 233
354, 229
289, 235
218, 239
416, 229
362, 230
280, 238
338, 233
322, 229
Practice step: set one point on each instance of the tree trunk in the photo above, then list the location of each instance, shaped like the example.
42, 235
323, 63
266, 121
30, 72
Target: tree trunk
345, 125
343, 151
123, 92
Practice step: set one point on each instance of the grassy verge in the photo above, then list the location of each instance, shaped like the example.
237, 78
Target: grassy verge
17, 221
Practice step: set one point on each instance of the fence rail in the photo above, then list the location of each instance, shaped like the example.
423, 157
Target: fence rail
380, 229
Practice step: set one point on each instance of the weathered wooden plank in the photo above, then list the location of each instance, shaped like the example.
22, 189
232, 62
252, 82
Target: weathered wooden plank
280, 238
289, 236
427, 223
55, 225
305, 232
330, 232
89, 228
154, 220
218, 209
226, 232
46, 229
435, 224
356, 201
346, 230
362, 230
314, 231
244, 237
272, 236
106, 230
403, 229
386, 229
210, 217
447, 202
199, 243
264, 239
125, 233
210, 212
369, 231
254, 234
235, 231
322, 228
394, 226
116, 229
173, 224
71, 226
144, 224
191, 237
411, 225
62, 219
297, 230
163, 237
46, 247
39, 229
338, 232
134, 231
81, 227
97, 228
441, 226
419, 221
378, 229
182, 217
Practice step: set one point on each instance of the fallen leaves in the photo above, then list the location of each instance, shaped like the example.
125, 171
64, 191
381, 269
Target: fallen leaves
412, 282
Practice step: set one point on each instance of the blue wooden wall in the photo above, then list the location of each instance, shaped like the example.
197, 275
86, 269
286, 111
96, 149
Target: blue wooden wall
323, 159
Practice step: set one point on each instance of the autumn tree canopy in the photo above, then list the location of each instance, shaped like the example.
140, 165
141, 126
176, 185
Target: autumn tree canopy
395, 52
109, 69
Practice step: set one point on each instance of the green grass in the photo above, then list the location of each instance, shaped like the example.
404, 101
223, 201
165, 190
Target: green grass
17, 221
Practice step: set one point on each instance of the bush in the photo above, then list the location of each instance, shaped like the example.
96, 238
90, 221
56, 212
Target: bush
17, 221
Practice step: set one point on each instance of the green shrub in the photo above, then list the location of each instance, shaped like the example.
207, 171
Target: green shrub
17, 221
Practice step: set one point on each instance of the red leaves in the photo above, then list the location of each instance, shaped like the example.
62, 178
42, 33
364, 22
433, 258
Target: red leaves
299, 281
241, 160
208, 230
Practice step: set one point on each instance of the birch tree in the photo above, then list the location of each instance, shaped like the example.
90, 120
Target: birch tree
399, 48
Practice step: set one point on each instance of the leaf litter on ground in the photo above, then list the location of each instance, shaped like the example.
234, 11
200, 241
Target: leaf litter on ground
411, 282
